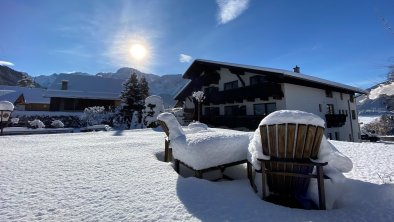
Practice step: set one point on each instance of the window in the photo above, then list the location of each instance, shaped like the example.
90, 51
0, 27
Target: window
230, 110
264, 109
210, 90
330, 109
336, 135
329, 136
341, 95
231, 85
320, 109
212, 111
328, 93
64, 84
352, 98
346, 112
254, 80
353, 114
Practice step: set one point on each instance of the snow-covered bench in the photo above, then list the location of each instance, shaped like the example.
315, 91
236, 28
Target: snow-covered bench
205, 150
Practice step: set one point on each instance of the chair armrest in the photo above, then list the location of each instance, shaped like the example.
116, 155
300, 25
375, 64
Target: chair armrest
295, 162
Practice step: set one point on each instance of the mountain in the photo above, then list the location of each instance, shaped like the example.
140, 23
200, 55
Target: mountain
46, 81
125, 72
9, 76
379, 100
165, 86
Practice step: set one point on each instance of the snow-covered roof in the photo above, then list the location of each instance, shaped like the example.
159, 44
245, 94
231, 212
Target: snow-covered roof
86, 87
9, 95
31, 95
285, 73
6, 105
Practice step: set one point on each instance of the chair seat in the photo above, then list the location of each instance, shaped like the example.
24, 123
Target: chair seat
212, 148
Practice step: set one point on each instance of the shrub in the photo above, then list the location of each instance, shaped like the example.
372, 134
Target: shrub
96, 115
36, 124
57, 124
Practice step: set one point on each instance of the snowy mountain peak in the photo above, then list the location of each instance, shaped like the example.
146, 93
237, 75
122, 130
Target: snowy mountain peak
379, 100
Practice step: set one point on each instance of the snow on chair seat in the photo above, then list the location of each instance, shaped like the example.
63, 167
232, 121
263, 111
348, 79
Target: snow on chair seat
205, 150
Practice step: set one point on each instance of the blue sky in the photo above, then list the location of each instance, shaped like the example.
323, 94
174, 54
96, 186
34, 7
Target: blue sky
346, 41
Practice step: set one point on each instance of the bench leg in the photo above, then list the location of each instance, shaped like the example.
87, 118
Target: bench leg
166, 151
198, 174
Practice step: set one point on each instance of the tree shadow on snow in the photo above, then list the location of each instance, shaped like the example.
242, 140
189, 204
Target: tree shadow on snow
236, 201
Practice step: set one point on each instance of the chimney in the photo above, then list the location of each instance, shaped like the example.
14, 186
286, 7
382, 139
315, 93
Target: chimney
64, 84
296, 69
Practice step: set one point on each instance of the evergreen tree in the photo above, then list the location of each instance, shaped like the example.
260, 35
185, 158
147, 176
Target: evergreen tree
133, 98
144, 86
130, 97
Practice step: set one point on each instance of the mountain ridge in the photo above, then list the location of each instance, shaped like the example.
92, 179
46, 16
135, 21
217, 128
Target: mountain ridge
165, 86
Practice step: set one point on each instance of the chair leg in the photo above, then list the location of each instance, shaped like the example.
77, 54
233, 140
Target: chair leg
263, 181
320, 187
176, 162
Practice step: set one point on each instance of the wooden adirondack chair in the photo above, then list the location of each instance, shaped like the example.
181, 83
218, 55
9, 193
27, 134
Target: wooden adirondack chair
289, 170
167, 149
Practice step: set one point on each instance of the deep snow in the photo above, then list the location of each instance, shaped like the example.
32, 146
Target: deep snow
116, 176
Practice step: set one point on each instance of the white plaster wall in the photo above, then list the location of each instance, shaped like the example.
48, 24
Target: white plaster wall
308, 99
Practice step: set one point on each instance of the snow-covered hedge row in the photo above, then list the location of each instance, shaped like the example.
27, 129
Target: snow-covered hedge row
68, 121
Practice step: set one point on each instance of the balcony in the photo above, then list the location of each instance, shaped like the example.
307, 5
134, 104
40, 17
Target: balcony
335, 120
249, 122
250, 93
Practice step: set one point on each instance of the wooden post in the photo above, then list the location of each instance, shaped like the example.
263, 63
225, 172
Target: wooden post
320, 187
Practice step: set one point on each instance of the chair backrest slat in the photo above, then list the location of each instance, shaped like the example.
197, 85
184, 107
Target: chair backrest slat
291, 131
282, 140
272, 140
264, 139
317, 142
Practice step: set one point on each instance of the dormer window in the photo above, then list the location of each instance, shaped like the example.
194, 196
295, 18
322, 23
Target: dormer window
64, 84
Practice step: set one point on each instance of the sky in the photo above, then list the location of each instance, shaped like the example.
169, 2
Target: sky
350, 41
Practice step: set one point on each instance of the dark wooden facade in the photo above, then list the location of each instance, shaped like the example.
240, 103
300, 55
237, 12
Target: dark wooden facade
71, 104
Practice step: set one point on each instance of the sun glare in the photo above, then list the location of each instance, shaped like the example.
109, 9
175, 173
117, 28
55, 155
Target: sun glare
138, 51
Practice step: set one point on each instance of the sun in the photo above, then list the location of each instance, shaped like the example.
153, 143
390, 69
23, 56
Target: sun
138, 51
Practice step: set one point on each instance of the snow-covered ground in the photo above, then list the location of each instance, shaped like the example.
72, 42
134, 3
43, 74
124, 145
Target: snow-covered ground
117, 176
